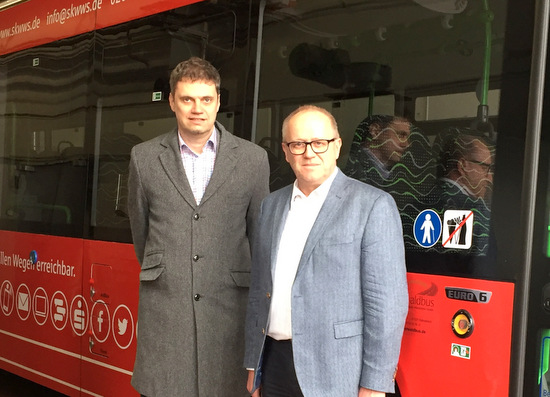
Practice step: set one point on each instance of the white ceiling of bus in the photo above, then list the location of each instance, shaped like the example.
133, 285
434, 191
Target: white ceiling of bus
421, 45
413, 39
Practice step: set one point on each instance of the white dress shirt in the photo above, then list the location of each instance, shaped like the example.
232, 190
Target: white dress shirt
301, 217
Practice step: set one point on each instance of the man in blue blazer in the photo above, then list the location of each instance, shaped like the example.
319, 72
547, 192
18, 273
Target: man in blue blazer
328, 296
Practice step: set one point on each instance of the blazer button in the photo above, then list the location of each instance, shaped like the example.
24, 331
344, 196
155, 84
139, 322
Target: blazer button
196, 217
195, 258
197, 297
263, 331
268, 295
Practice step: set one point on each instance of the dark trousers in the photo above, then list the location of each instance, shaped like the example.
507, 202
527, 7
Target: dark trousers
278, 374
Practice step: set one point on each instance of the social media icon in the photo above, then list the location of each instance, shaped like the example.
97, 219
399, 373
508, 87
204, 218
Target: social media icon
122, 326
123, 322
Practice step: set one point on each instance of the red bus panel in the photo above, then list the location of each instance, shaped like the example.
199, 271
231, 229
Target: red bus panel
38, 22
71, 302
457, 337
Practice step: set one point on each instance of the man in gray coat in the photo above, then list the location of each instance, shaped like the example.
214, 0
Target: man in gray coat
328, 295
194, 195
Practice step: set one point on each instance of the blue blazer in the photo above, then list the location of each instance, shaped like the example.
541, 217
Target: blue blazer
349, 297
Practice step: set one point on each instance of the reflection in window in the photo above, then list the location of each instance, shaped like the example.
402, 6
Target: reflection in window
136, 60
465, 182
435, 67
44, 161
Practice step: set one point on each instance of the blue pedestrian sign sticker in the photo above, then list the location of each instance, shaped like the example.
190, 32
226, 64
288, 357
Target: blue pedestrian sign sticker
427, 228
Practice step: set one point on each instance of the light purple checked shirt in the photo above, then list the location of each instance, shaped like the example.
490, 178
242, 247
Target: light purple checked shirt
199, 167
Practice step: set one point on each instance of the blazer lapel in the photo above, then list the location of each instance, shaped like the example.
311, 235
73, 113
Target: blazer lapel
170, 159
328, 211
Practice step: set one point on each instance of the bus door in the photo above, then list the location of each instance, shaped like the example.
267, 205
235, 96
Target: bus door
432, 100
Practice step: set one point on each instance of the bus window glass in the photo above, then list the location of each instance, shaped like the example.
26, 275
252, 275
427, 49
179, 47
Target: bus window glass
453, 106
135, 60
43, 149
415, 91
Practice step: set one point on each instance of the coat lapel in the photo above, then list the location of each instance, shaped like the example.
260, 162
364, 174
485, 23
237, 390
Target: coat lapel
226, 161
170, 159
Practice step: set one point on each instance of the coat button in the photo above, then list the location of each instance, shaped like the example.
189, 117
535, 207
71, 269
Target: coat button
263, 331
196, 217
268, 295
195, 258
197, 297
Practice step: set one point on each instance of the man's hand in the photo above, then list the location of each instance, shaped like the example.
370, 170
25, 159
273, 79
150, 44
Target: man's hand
250, 385
370, 393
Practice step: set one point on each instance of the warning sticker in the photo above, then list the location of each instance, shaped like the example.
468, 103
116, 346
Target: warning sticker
458, 228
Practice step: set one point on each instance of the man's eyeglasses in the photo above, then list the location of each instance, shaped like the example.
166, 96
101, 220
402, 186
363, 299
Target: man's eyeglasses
318, 146
489, 168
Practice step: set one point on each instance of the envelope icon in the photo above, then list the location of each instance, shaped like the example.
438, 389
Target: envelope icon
23, 301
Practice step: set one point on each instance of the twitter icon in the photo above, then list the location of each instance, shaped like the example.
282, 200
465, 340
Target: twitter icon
122, 326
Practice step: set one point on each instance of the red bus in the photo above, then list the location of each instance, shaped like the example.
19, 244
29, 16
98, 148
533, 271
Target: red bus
82, 81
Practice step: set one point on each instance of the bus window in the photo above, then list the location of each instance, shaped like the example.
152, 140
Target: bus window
392, 154
462, 196
401, 82
453, 106
44, 162
133, 92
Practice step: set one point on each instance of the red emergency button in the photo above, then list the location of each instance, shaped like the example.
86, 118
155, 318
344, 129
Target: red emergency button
462, 324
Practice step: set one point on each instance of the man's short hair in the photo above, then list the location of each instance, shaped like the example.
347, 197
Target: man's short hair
311, 108
381, 121
195, 69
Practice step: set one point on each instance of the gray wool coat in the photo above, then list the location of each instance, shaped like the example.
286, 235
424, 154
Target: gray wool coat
195, 266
